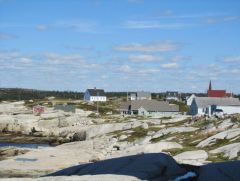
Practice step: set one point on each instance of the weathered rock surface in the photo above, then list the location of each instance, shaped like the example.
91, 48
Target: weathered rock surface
230, 151
192, 157
123, 137
171, 130
144, 126
6, 152
228, 134
209, 128
225, 125
147, 148
45, 160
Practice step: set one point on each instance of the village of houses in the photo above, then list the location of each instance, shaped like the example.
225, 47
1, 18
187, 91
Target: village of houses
208, 131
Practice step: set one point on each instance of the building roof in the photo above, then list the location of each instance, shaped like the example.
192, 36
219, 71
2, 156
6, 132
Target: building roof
217, 93
218, 101
96, 92
150, 105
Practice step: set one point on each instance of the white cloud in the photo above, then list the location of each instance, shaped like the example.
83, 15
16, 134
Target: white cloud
172, 65
125, 68
25, 60
166, 46
154, 24
61, 59
180, 58
222, 19
6, 36
143, 58
42, 27
231, 59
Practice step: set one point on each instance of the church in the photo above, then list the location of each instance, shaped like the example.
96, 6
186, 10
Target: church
217, 93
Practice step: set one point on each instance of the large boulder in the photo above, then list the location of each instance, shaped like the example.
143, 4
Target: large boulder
192, 157
228, 134
230, 151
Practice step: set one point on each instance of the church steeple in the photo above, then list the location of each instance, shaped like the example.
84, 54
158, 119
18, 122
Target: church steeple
210, 85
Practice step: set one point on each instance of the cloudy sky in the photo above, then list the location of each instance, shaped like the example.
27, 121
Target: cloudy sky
120, 45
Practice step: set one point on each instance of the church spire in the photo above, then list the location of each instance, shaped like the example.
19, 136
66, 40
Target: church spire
210, 85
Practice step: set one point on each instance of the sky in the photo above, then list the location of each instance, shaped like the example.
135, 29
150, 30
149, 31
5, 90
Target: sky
120, 45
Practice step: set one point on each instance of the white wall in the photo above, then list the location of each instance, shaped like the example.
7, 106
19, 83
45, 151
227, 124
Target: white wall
190, 99
229, 109
87, 97
172, 98
98, 98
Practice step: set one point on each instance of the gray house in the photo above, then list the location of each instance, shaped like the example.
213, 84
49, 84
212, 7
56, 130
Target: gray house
201, 106
151, 108
141, 95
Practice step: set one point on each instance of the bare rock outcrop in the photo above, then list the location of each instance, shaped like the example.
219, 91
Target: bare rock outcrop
192, 157
230, 151
228, 134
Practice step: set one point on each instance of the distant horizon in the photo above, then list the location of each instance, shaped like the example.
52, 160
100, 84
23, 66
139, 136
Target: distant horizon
152, 45
79, 91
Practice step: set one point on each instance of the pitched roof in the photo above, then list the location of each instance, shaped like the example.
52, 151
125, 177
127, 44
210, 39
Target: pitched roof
217, 93
96, 92
218, 101
150, 105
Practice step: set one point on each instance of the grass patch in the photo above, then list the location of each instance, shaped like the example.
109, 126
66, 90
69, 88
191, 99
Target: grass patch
103, 107
166, 117
138, 133
217, 158
176, 151
155, 140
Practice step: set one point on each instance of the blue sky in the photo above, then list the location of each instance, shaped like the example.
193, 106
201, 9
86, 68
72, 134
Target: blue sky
120, 45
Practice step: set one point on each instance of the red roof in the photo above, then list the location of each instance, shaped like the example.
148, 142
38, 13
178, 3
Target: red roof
217, 93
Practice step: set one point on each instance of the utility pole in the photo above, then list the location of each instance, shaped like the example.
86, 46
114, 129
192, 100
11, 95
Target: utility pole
97, 103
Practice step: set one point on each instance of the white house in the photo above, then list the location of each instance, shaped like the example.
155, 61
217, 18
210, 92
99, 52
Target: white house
95, 95
133, 96
190, 99
201, 106
172, 96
